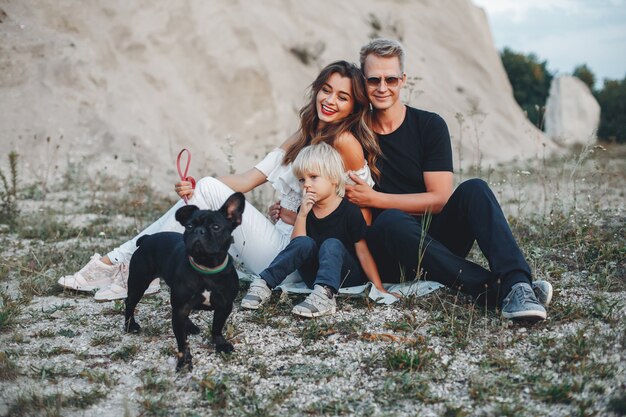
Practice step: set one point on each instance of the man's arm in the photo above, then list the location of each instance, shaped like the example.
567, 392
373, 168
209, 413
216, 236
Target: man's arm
438, 190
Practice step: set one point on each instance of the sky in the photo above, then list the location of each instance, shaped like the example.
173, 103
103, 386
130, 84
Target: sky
565, 33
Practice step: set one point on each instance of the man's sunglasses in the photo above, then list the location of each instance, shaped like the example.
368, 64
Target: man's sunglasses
391, 81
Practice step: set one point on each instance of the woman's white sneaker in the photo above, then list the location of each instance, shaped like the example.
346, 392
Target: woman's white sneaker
118, 290
96, 274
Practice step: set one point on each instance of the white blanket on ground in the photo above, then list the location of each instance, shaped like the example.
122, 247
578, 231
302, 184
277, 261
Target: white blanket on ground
418, 288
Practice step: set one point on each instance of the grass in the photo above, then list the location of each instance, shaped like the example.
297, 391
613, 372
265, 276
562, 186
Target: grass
412, 360
439, 354
10, 309
8, 368
34, 403
125, 353
213, 391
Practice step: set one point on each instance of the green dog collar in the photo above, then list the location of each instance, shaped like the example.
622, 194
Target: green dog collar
209, 271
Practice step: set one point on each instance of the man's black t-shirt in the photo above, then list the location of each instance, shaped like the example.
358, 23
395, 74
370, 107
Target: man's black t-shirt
346, 223
420, 144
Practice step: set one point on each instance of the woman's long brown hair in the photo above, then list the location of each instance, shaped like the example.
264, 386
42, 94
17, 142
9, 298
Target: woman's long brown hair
358, 122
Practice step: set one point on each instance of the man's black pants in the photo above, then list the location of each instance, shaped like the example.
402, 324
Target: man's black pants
399, 243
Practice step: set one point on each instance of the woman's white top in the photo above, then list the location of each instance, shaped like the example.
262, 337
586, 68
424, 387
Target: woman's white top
282, 179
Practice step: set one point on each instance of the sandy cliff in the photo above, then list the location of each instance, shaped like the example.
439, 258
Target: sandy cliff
119, 87
572, 112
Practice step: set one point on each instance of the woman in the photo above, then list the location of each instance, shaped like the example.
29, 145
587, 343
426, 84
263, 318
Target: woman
337, 113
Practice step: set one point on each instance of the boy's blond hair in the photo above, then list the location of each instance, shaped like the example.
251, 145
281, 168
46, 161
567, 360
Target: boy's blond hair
324, 160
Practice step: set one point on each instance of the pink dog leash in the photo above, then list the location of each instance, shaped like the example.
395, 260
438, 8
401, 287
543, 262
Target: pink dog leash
183, 175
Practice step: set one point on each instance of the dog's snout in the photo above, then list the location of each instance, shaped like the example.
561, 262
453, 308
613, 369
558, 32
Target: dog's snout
199, 231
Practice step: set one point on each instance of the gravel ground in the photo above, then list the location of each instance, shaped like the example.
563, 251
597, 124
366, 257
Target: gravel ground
63, 354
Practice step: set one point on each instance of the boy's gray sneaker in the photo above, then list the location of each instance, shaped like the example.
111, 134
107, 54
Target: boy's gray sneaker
320, 302
521, 304
543, 292
258, 293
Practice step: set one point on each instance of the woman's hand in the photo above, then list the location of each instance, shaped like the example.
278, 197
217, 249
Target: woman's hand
276, 211
183, 189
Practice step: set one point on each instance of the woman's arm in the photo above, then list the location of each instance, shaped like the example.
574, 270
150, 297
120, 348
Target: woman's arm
243, 182
351, 151
353, 157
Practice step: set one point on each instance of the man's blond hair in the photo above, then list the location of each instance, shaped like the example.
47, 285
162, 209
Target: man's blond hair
385, 48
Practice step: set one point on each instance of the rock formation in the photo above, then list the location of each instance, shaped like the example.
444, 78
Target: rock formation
119, 87
572, 112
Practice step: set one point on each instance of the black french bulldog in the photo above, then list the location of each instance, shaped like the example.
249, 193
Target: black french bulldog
196, 266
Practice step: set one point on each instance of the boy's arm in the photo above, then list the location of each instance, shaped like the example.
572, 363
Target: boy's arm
367, 215
368, 265
299, 227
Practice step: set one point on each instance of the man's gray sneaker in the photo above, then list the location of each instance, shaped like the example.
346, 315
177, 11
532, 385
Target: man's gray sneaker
258, 293
319, 303
543, 292
521, 304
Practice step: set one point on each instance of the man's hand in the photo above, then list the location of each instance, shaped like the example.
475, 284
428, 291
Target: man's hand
360, 193
183, 189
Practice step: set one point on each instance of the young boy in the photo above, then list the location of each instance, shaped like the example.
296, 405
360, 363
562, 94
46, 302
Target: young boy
327, 239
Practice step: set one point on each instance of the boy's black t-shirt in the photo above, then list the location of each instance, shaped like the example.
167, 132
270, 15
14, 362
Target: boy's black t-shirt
420, 144
346, 223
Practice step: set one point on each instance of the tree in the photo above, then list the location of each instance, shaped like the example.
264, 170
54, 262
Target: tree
612, 100
530, 80
586, 75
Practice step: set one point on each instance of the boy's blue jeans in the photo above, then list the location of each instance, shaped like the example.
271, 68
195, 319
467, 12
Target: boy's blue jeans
329, 264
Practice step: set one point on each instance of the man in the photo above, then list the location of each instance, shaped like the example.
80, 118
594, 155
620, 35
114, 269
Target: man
422, 228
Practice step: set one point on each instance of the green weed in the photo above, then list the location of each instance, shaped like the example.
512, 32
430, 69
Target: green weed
8, 368
52, 404
414, 359
98, 377
125, 353
213, 390
10, 309
9, 210
617, 404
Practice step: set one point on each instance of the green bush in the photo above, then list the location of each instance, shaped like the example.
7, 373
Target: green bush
612, 100
530, 80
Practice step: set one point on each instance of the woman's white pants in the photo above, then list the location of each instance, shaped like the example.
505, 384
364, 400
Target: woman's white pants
257, 239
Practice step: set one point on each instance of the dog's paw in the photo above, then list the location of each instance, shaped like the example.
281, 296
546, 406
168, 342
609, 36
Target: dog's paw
224, 347
191, 328
132, 327
184, 362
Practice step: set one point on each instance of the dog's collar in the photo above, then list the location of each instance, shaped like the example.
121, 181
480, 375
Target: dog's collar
209, 271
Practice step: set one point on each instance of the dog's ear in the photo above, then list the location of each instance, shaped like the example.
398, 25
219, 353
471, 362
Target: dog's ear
184, 213
233, 208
